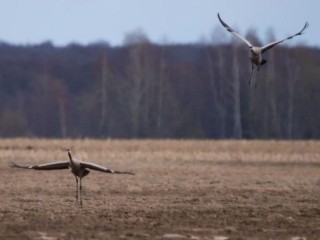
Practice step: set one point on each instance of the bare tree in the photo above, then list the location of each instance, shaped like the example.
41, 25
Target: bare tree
104, 120
237, 124
136, 37
142, 74
271, 118
293, 76
136, 90
160, 105
218, 80
217, 85
61, 98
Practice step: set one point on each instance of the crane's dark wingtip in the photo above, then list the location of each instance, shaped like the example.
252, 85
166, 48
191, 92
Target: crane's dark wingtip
307, 25
224, 24
119, 172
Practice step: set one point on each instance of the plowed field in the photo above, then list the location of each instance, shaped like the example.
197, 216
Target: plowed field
181, 190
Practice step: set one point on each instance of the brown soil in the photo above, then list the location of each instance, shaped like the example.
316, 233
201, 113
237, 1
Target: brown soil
181, 190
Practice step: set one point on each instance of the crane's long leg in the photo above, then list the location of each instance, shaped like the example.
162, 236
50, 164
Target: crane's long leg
251, 73
80, 192
77, 187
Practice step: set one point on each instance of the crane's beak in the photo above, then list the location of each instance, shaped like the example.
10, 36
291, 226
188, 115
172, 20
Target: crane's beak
66, 149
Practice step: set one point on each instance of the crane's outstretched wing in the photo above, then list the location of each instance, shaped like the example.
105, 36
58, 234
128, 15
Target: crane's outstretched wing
97, 167
45, 166
234, 32
271, 45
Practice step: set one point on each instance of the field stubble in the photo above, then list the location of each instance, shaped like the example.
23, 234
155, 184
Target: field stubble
181, 190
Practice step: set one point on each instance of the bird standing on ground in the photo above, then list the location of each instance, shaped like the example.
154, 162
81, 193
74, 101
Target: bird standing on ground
78, 168
256, 52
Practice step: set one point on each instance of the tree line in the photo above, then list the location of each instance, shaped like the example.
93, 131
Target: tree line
148, 90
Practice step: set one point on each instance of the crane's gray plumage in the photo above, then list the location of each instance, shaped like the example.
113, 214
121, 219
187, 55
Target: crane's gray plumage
46, 166
78, 168
256, 52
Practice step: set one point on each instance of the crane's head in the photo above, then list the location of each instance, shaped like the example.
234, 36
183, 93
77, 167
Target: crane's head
69, 153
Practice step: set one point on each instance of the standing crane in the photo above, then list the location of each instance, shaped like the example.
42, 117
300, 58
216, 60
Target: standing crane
78, 168
256, 52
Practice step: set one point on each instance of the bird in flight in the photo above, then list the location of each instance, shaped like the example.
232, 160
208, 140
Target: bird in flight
256, 52
78, 168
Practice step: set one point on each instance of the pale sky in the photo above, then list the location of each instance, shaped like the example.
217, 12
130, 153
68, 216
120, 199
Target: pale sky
173, 21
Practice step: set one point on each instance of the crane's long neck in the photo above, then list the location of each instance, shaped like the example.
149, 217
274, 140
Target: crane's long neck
70, 158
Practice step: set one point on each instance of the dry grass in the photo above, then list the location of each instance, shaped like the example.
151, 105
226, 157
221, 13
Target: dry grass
191, 189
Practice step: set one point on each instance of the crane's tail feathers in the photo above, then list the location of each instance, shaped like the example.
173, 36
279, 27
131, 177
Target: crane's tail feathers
264, 61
